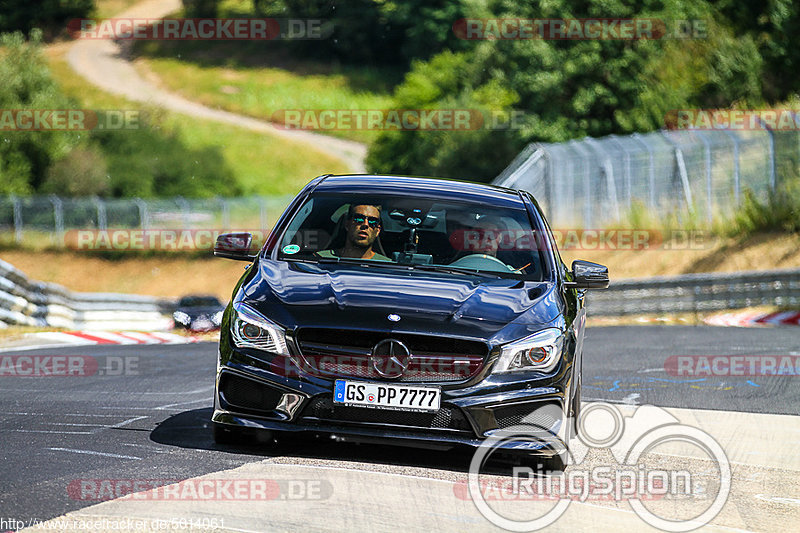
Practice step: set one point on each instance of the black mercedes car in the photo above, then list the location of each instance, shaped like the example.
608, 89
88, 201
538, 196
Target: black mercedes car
198, 313
428, 311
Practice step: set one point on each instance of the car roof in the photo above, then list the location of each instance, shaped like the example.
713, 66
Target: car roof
416, 186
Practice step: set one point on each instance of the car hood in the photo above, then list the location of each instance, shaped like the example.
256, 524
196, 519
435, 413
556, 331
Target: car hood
296, 294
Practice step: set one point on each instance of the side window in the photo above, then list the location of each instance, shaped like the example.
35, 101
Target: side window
291, 236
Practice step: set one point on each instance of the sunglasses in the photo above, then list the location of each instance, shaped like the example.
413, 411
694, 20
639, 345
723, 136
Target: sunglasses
373, 222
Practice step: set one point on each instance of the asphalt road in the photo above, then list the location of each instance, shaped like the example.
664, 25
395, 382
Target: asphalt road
144, 414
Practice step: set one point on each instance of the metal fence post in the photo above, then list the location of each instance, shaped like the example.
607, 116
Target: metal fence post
651, 169
608, 170
58, 217
514, 177
102, 219
17, 209
226, 212
181, 201
736, 178
627, 173
709, 201
587, 186
681, 167
142, 205
772, 169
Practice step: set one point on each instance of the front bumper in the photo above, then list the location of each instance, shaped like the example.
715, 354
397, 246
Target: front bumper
249, 395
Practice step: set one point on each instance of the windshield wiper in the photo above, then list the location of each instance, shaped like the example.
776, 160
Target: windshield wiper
456, 270
357, 261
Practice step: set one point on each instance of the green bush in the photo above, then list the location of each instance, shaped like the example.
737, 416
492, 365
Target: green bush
135, 162
779, 212
26, 155
373, 31
82, 172
51, 16
149, 162
200, 8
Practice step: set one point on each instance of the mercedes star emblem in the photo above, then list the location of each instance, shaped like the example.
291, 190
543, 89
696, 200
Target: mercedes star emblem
390, 358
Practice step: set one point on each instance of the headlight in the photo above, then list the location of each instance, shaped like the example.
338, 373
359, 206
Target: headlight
181, 318
250, 329
217, 318
540, 351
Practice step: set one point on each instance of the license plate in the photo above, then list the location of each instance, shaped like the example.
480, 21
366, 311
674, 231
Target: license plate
386, 396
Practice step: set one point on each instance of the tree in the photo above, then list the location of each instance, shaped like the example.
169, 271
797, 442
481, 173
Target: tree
51, 16
567, 89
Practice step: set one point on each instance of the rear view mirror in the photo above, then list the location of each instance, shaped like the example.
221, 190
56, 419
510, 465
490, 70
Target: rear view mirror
588, 275
234, 246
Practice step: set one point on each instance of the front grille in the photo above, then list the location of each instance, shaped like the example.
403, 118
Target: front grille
323, 408
346, 353
542, 415
247, 394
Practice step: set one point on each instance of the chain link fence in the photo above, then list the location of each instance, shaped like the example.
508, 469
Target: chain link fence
698, 175
32, 219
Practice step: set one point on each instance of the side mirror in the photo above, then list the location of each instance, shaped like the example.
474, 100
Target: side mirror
234, 246
588, 275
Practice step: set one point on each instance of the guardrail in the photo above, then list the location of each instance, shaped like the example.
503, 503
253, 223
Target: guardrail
34, 303
695, 293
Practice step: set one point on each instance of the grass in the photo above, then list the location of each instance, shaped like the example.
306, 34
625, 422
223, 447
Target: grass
263, 164
256, 80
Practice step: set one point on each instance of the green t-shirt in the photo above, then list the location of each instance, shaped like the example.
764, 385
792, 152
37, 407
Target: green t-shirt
332, 253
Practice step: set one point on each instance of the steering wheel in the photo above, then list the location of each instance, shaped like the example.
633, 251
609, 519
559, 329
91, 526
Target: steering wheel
481, 262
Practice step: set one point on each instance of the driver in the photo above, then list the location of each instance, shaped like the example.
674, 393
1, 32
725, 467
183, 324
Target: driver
490, 230
362, 227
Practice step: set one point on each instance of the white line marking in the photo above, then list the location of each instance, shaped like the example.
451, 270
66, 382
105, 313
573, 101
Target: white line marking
145, 446
91, 452
630, 399
126, 422
778, 499
55, 432
73, 424
169, 405
62, 414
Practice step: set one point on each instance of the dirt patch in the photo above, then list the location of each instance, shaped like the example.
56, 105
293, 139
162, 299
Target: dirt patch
157, 276
176, 276
759, 252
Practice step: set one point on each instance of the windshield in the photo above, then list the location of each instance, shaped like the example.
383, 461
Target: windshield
199, 301
454, 236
